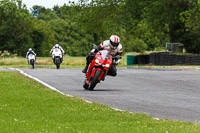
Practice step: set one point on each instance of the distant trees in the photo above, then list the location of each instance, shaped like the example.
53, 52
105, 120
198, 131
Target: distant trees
15, 27
191, 19
62, 27
141, 25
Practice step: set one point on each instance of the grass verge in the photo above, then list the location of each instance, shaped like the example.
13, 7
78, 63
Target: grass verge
73, 62
46, 62
26, 106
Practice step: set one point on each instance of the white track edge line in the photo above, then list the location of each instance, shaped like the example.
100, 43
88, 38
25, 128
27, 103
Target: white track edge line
41, 82
45, 84
53, 88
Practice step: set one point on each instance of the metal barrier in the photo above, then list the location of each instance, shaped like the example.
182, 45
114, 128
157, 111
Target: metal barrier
163, 58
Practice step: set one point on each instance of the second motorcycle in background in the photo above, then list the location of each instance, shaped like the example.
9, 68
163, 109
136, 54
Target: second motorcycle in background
57, 55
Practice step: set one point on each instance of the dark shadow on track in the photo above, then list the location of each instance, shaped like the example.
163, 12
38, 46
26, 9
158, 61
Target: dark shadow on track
103, 90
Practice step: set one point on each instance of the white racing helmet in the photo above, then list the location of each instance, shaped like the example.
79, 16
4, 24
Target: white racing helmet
114, 41
30, 49
57, 46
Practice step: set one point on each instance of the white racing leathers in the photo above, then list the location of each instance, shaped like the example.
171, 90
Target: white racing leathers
58, 48
106, 46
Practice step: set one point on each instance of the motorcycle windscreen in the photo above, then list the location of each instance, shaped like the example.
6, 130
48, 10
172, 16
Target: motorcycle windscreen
57, 52
31, 56
104, 54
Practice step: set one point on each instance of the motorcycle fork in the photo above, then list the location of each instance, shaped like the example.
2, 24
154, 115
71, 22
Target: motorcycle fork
103, 75
93, 72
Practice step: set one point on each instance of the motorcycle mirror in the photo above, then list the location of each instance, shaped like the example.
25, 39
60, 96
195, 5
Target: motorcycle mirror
93, 45
118, 56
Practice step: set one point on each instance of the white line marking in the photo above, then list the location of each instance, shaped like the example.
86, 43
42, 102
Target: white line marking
45, 84
156, 118
41, 82
53, 88
118, 109
87, 101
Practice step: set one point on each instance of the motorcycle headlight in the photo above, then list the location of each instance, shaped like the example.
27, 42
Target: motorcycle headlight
107, 65
97, 61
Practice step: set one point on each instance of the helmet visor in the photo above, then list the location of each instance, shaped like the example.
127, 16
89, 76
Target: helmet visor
114, 44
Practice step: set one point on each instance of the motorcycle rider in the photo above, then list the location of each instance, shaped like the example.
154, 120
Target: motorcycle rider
30, 51
115, 48
59, 47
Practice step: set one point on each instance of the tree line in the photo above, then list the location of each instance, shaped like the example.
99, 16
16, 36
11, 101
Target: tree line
141, 25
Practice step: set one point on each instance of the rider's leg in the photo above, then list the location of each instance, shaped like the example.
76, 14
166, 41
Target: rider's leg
112, 71
89, 59
54, 60
87, 63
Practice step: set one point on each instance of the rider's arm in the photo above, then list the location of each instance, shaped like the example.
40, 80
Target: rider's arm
51, 51
119, 48
26, 54
34, 53
62, 50
117, 61
95, 50
98, 48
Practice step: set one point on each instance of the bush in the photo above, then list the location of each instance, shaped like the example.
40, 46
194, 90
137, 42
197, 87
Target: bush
137, 45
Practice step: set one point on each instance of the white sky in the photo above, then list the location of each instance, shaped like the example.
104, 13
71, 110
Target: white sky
46, 3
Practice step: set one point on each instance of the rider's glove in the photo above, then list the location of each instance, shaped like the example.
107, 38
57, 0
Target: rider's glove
93, 54
97, 48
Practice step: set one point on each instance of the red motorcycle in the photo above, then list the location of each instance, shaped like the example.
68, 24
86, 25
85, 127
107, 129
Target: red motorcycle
97, 69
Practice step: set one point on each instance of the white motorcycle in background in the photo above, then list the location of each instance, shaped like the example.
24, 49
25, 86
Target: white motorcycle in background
57, 57
31, 60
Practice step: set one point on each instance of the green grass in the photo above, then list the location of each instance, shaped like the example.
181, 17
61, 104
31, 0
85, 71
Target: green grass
28, 107
41, 61
46, 62
72, 62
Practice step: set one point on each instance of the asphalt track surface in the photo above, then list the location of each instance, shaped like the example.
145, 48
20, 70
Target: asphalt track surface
161, 93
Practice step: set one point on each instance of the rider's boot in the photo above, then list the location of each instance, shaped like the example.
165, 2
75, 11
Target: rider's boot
85, 69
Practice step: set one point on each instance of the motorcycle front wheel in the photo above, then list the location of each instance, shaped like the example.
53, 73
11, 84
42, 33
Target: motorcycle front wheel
94, 80
57, 62
32, 63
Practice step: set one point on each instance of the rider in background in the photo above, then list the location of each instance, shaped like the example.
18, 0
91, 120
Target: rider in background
115, 48
59, 47
30, 51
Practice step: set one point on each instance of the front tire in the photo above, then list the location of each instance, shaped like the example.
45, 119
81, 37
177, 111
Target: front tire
57, 66
32, 63
94, 80
57, 62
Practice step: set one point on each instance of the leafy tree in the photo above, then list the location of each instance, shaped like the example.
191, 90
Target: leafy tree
141, 25
164, 15
15, 27
191, 20
43, 13
74, 40
100, 18
137, 45
42, 37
